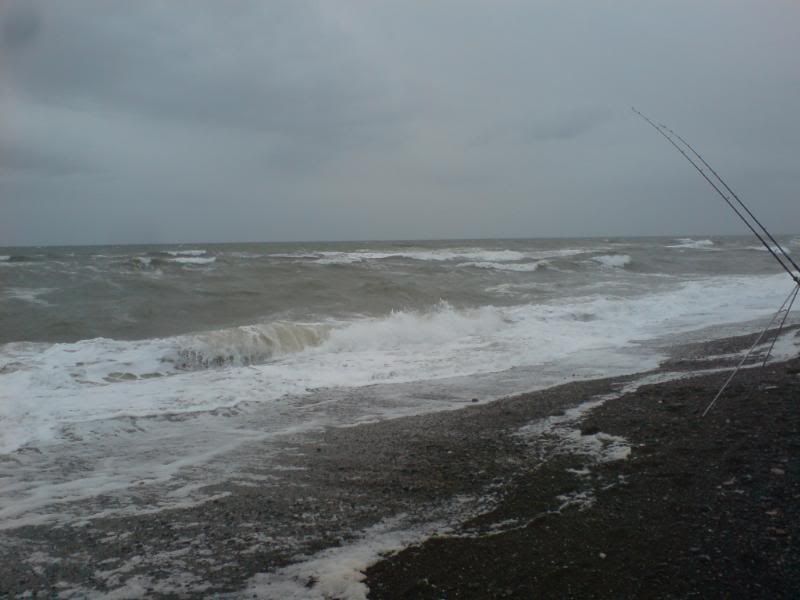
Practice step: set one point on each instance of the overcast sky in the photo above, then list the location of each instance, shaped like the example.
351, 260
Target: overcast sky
181, 121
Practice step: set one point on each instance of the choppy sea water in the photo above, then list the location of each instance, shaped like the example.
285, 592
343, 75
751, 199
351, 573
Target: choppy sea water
153, 367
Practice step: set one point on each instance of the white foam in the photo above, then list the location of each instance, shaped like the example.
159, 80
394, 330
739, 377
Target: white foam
613, 260
785, 347
335, 572
438, 255
520, 267
186, 252
775, 249
517, 289
97, 393
194, 260
28, 295
339, 572
4, 258
43, 386
247, 255
692, 243
471, 255
102, 361
294, 255
561, 434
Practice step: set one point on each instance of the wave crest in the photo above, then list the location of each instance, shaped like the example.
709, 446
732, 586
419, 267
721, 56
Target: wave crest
193, 260
613, 260
692, 244
185, 252
434, 328
775, 249
520, 267
243, 346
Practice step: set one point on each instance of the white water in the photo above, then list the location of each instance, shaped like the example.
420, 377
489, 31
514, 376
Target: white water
44, 386
186, 252
194, 260
468, 255
27, 294
138, 414
519, 267
613, 260
692, 244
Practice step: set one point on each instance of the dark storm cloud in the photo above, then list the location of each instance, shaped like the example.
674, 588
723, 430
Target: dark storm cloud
270, 67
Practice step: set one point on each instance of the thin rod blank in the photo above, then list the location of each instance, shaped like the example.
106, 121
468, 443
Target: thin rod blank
721, 194
736, 197
780, 327
749, 352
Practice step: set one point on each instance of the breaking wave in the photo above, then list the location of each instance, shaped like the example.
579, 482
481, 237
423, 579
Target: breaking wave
28, 295
465, 255
194, 260
243, 346
520, 267
692, 244
101, 377
20, 258
163, 259
102, 360
435, 328
775, 249
613, 260
142, 261
186, 252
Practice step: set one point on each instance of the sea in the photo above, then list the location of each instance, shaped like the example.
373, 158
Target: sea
131, 377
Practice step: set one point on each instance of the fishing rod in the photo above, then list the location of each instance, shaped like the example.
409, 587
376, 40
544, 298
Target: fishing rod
738, 200
789, 300
786, 307
662, 130
780, 327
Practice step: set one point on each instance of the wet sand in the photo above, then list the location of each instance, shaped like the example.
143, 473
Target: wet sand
638, 497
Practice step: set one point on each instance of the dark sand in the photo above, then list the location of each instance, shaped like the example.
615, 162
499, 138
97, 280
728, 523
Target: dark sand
702, 507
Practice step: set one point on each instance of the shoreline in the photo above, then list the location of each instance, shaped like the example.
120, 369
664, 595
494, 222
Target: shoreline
530, 517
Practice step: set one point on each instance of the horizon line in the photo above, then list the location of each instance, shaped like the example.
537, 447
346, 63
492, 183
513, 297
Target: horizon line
389, 240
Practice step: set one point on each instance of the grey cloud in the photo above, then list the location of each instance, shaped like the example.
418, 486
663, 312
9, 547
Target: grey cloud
569, 125
273, 67
299, 119
20, 23
30, 160
546, 126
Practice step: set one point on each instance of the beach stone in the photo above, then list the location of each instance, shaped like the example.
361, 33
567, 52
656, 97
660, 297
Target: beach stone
590, 429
